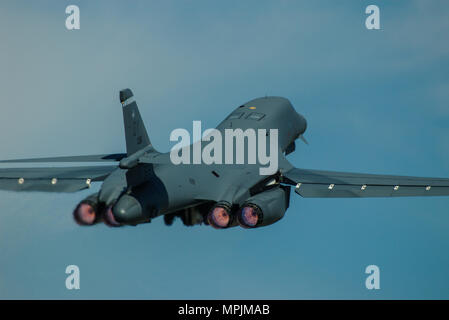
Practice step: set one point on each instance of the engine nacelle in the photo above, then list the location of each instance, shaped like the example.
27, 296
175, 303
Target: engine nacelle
127, 210
264, 208
141, 205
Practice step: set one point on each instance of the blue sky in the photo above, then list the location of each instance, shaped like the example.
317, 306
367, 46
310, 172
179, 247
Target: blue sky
375, 101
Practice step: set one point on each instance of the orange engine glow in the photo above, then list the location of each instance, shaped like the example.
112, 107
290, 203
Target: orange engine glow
84, 214
219, 218
109, 218
249, 217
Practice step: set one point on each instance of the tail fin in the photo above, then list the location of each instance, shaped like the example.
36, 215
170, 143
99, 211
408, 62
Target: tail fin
135, 133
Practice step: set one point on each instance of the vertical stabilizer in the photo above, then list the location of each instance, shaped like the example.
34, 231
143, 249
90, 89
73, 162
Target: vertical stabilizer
136, 135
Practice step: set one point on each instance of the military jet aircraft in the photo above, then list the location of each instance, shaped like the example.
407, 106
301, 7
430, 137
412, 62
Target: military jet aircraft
144, 184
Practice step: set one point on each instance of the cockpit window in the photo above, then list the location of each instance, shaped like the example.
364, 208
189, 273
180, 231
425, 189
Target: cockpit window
255, 116
235, 115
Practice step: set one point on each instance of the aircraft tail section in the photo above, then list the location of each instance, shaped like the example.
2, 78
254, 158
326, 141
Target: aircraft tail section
136, 135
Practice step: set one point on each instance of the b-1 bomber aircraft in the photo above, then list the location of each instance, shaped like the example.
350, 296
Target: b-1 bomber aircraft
144, 183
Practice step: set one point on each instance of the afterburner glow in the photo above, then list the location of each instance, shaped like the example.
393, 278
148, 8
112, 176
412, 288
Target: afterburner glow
84, 214
109, 218
219, 218
249, 217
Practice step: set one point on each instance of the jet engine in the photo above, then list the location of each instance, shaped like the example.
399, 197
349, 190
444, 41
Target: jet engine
143, 203
264, 208
222, 216
87, 212
127, 210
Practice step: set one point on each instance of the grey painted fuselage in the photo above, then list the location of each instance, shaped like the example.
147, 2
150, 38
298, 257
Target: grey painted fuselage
163, 188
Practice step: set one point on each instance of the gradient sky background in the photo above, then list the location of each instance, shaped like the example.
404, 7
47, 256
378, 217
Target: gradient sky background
375, 101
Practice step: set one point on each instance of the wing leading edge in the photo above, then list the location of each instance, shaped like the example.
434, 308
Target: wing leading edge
87, 158
331, 184
55, 179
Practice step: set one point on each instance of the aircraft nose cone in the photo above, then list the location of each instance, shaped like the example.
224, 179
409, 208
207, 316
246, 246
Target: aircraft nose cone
127, 209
